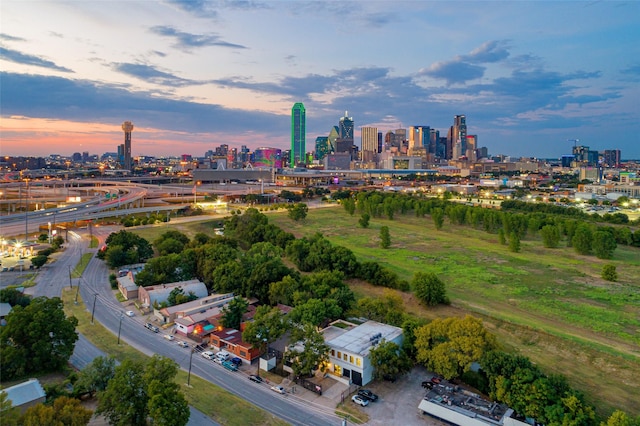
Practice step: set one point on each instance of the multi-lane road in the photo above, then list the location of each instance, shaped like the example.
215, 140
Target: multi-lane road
94, 287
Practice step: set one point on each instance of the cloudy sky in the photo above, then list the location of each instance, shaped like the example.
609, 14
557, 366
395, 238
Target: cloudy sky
193, 74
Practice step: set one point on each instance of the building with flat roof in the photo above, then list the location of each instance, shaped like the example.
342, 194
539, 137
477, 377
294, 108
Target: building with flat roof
198, 306
149, 295
350, 345
462, 407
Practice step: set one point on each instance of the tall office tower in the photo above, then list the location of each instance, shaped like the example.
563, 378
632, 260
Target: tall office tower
441, 148
369, 137
127, 128
472, 144
298, 134
434, 140
244, 154
418, 139
389, 140
379, 142
322, 147
369, 145
345, 127
460, 134
449, 145
334, 134
401, 137
612, 157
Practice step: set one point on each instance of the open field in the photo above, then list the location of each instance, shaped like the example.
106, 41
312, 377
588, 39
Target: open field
547, 304
220, 405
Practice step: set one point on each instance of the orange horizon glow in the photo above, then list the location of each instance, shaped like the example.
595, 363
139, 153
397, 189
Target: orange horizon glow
24, 136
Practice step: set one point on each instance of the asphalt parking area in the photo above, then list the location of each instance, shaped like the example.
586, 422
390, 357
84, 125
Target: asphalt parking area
398, 402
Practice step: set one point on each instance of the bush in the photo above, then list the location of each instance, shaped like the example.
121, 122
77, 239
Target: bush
609, 273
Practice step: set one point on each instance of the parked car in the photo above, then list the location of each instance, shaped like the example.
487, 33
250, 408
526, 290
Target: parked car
256, 379
152, 327
169, 337
278, 389
223, 355
367, 394
208, 355
237, 361
129, 313
360, 400
427, 385
183, 344
229, 366
435, 380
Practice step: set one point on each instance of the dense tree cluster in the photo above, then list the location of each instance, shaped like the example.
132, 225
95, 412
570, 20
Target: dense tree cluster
125, 248
137, 392
37, 338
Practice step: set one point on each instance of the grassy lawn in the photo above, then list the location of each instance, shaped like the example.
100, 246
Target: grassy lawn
215, 402
82, 265
548, 304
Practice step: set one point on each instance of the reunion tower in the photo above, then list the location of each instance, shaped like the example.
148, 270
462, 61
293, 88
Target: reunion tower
127, 127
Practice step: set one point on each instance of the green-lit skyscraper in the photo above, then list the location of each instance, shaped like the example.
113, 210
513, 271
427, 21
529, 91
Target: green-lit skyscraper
298, 133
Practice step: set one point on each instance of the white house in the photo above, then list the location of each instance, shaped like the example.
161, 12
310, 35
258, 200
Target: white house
350, 345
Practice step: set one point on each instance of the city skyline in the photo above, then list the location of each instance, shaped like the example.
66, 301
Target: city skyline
530, 77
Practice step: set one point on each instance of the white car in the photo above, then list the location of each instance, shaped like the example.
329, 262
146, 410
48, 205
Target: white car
360, 400
169, 337
129, 313
278, 389
183, 344
208, 355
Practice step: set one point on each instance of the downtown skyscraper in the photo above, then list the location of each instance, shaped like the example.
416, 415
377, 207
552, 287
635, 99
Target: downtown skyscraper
298, 134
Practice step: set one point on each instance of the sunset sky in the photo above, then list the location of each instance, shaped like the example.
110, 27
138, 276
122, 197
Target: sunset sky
191, 75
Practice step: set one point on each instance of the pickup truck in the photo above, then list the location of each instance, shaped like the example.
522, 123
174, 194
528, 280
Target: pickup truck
229, 366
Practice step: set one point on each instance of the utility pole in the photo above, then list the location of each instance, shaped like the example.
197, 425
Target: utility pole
189, 375
119, 328
93, 310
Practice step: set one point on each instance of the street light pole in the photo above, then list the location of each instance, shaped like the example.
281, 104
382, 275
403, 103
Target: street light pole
119, 328
189, 375
93, 310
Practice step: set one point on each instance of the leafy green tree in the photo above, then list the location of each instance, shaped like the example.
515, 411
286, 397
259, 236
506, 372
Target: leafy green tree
609, 273
364, 220
167, 405
449, 346
550, 236
177, 297
349, 205
268, 325
96, 375
582, 239
437, 215
501, 237
124, 248
124, 401
619, 418
38, 261
308, 351
14, 297
429, 288
316, 311
604, 244
38, 337
385, 237
514, 242
232, 312
8, 413
298, 211
389, 360
63, 411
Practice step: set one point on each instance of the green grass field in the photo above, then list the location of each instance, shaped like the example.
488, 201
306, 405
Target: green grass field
547, 304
